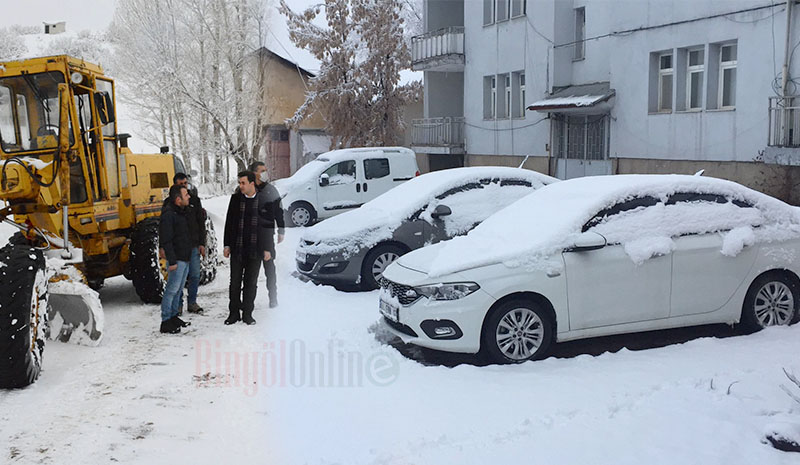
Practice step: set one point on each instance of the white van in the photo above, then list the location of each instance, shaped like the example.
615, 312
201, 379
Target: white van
341, 180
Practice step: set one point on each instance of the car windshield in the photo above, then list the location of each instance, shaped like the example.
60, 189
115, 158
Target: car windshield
29, 112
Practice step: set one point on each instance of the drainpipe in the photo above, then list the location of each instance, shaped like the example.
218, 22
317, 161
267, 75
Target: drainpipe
785, 74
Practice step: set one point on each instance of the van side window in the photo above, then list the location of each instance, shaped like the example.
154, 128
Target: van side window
342, 173
375, 168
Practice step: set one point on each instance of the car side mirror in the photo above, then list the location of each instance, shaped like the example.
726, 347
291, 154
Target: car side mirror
324, 179
440, 211
588, 241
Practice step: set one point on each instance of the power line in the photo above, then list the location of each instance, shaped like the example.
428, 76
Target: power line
674, 23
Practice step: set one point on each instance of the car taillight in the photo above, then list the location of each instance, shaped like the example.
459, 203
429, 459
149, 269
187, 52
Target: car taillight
417, 174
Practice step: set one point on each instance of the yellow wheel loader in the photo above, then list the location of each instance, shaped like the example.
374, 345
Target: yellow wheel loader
86, 207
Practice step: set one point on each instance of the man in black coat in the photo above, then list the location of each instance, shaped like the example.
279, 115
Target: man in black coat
173, 237
271, 215
196, 216
248, 245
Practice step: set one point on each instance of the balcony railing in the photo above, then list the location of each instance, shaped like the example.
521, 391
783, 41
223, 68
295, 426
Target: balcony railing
441, 48
784, 121
438, 132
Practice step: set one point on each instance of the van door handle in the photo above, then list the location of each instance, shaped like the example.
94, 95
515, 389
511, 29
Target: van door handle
365, 187
358, 187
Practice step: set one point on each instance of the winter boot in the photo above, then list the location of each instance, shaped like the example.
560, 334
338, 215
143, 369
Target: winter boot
180, 322
232, 318
247, 318
170, 327
194, 308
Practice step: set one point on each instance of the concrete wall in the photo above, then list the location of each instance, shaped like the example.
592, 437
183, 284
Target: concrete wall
539, 164
444, 13
782, 182
443, 94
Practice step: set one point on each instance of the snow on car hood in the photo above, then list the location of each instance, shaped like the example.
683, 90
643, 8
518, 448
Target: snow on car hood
376, 220
531, 231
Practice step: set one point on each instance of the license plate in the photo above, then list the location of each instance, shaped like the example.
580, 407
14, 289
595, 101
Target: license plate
389, 311
301, 256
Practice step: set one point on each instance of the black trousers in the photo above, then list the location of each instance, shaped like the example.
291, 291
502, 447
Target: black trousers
244, 284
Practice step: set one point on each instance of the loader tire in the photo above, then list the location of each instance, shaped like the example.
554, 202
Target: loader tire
208, 264
23, 321
147, 271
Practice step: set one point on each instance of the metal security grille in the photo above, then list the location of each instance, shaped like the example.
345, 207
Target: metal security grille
581, 137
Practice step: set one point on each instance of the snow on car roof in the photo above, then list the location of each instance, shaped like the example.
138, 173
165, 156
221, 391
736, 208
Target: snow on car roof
531, 230
377, 219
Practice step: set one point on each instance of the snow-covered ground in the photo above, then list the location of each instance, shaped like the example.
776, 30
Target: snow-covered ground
319, 387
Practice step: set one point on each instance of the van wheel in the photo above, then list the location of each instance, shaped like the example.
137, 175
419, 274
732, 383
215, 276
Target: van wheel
375, 264
517, 331
149, 273
208, 264
772, 300
301, 214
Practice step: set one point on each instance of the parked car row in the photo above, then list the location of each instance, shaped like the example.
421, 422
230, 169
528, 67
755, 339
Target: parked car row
506, 262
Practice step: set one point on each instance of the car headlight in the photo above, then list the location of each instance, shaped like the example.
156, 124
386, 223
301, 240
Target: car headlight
447, 291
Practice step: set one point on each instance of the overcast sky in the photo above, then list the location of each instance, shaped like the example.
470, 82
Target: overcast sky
96, 15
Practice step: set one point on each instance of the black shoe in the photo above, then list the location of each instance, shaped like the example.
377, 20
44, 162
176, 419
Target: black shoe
180, 322
247, 318
232, 318
273, 303
170, 327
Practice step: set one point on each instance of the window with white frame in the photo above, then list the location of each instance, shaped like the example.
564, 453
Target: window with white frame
503, 7
695, 70
489, 97
727, 76
489, 11
665, 76
521, 113
518, 8
580, 33
507, 92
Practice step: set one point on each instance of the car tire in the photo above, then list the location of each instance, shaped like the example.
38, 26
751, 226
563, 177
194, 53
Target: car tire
301, 214
377, 260
772, 300
534, 328
148, 271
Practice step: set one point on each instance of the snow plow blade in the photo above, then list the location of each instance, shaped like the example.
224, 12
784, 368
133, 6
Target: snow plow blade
75, 313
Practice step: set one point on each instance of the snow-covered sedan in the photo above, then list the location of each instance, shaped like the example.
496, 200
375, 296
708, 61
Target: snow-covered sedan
598, 256
355, 247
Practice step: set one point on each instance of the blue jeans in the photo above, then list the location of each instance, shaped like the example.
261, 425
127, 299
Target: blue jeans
194, 276
173, 292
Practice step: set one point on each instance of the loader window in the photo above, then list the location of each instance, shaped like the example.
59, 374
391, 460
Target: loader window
29, 112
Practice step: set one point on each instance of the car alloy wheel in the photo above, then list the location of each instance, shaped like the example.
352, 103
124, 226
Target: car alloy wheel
381, 262
519, 334
774, 304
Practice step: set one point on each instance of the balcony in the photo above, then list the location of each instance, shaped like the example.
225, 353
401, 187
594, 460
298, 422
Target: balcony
441, 50
783, 147
438, 135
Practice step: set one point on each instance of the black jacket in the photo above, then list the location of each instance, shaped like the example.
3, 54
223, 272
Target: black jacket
271, 214
173, 234
196, 215
265, 235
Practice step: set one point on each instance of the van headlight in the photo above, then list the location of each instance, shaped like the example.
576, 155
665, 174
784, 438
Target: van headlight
447, 291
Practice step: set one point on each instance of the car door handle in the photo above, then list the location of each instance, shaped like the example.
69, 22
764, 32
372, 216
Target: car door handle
358, 187
365, 187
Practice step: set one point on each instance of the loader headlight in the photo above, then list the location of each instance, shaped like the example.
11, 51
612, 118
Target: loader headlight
447, 291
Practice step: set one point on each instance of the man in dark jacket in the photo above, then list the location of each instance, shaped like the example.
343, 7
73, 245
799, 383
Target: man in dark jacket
271, 215
248, 245
173, 237
196, 216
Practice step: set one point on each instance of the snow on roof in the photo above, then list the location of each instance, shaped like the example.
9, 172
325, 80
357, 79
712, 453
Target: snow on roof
572, 101
376, 220
578, 96
533, 229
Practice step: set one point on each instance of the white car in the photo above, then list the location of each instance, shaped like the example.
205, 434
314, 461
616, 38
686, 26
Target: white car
599, 256
343, 180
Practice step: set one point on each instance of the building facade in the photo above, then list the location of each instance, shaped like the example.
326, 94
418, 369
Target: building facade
584, 87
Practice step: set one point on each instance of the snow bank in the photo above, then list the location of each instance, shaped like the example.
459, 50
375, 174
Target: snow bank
376, 220
548, 220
